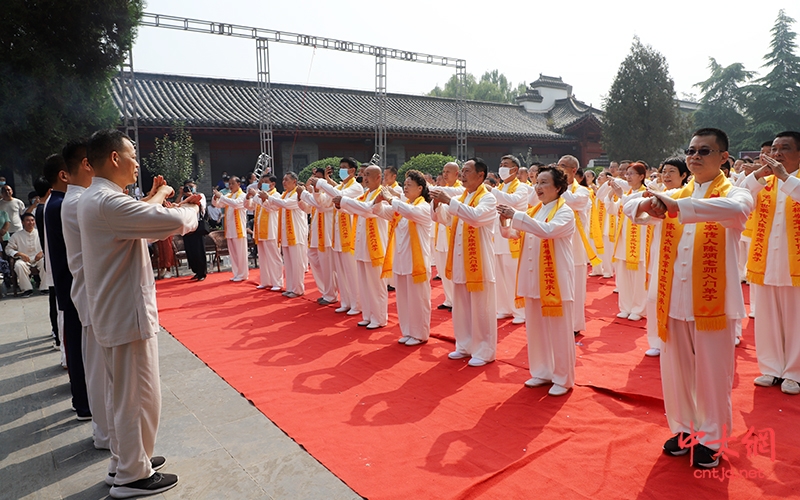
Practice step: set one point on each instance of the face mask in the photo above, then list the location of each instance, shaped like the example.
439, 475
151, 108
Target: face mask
359, 179
2, 183
344, 173
505, 173
226, 185
194, 190
266, 187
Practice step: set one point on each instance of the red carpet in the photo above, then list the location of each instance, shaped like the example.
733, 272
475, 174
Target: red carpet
397, 422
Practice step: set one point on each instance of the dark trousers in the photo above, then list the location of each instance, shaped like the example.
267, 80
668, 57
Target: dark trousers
54, 314
195, 249
73, 335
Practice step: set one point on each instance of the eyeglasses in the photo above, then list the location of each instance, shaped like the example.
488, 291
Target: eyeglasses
701, 152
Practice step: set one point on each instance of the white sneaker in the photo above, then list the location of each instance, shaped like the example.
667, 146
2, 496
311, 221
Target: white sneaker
766, 381
261, 287
412, 342
341, 309
557, 390
275, 289
536, 382
167, 275
477, 362
353, 312
653, 352
363, 323
373, 326
518, 321
790, 387
737, 341
403, 339
457, 355
623, 315
634, 317
503, 316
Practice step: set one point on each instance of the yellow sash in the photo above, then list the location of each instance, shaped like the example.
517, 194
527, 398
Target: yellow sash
457, 183
345, 229
513, 244
708, 264
549, 291
612, 225
764, 212
237, 220
291, 239
419, 271
579, 225
374, 244
633, 238
473, 266
261, 232
596, 225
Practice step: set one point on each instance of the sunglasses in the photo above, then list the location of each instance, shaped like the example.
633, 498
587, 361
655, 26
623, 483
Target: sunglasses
700, 152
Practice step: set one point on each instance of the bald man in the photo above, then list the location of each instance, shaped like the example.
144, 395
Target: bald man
441, 232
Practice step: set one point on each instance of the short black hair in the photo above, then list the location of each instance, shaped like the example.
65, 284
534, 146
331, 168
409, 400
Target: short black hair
480, 166
52, 166
559, 178
419, 179
41, 186
188, 181
102, 143
74, 152
391, 169
678, 163
765, 144
27, 214
351, 162
794, 135
319, 170
720, 136
273, 179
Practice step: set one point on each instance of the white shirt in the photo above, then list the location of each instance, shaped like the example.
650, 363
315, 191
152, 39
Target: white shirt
299, 220
234, 207
440, 230
581, 202
352, 190
320, 205
561, 230
24, 242
777, 272
403, 263
518, 201
620, 250
267, 215
14, 208
363, 209
120, 288
482, 216
72, 241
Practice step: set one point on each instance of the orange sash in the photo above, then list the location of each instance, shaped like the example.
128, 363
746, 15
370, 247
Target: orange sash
473, 266
419, 271
513, 243
291, 239
579, 226
374, 244
237, 220
261, 232
633, 238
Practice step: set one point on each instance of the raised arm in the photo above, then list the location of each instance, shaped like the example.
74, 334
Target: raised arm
562, 225
483, 214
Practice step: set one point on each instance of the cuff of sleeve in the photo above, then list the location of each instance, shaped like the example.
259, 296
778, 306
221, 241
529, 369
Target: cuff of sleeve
453, 203
685, 210
516, 221
791, 187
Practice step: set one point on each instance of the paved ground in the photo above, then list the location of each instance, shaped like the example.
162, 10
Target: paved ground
216, 441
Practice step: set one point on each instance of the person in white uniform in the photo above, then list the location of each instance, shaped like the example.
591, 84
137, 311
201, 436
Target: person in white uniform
408, 255
470, 263
608, 224
114, 228
343, 237
545, 283
265, 233
26, 249
293, 236
235, 226
773, 266
320, 241
697, 309
513, 193
371, 234
441, 233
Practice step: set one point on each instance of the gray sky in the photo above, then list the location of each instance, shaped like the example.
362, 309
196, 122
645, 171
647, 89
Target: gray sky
583, 42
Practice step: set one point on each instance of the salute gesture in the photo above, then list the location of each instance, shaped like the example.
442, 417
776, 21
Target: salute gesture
771, 166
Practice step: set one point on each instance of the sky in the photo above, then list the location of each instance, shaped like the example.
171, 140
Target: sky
584, 42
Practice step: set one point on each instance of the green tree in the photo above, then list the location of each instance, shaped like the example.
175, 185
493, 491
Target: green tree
725, 101
492, 87
641, 119
56, 62
425, 163
776, 96
172, 158
333, 161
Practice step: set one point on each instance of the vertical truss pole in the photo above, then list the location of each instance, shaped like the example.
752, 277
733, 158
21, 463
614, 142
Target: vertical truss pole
461, 111
380, 104
130, 120
264, 103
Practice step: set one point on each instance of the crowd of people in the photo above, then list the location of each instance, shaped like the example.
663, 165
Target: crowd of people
679, 239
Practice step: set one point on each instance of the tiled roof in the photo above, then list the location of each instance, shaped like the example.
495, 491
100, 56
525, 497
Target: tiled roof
217, 103
551, 82
567, 112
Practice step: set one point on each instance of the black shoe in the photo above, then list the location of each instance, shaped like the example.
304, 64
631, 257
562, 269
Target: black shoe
704, 457
27, 293
442, 306
389, 288
673, 445
157, 462
157, 483
201, 278
193, 277
84, 416
437, 278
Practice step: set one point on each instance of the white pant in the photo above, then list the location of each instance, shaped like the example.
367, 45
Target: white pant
475, 321
270, 264
744, 250
630, 285
323, 269
551, 343
372, 294
96, 387
413, 306
652, 322
506, 286
777, 335
347, 279
133, 371
579, 304
606, 258
447, 285
237, 248
295, 263
23, 271
697, 371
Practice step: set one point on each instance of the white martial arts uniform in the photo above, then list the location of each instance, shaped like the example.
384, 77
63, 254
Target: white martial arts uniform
413, 299
441, 241
578, 199
295, 254
28, 244
776, 330
123, 311
697, 367
265, 236
506, 265
320, 249
551, 344
474, 316
631, 284
233, 203
607, 256
372, 293
98, 385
